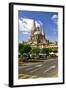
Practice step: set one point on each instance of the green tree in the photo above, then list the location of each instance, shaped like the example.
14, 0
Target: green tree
35, 53
24, 48
55, 50
46, 50
36, 50
21, 48
50, 50
27, 48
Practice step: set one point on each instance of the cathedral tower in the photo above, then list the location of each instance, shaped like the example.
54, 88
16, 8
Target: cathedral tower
37, 36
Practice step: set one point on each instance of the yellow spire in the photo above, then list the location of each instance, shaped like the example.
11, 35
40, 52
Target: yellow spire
42, 32
34, 25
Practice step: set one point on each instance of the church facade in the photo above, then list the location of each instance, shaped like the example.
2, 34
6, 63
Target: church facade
38, 38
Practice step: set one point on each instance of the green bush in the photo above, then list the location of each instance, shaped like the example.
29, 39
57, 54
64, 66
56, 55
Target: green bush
24, 48
35, 50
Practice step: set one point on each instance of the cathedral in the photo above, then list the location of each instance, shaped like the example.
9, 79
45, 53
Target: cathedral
37, 37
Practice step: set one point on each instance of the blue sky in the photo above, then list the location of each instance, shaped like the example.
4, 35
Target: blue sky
48, 20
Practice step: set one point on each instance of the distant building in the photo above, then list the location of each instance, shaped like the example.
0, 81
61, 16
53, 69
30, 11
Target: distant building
38, 38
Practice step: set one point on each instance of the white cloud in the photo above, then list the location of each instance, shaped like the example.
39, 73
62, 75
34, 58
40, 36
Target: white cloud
25, 25
54, 18
25, 32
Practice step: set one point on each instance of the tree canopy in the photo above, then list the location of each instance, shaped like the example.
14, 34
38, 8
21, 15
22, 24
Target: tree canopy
36, 50
24, 48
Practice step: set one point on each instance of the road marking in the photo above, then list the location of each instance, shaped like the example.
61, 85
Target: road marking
36, 66
52, 67
33, 67
32, 64
39, 65
27, 66
34, 70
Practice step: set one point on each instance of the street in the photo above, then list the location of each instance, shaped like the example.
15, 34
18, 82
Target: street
47, 68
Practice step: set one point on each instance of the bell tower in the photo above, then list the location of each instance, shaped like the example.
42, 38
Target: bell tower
33, 26
33, 30
37, 36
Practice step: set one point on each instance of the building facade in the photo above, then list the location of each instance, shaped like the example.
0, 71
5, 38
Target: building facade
38, 38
